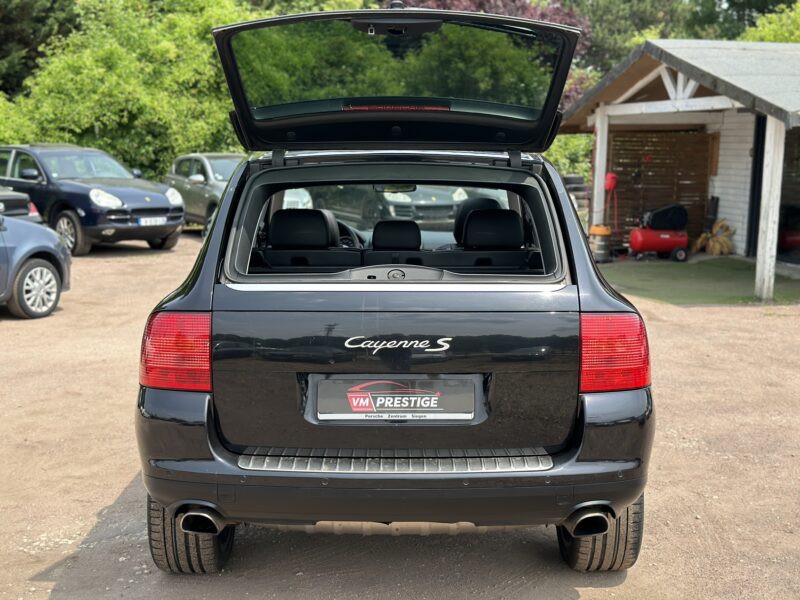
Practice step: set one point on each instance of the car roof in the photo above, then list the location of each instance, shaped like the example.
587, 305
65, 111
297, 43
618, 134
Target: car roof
45, 147
211, 155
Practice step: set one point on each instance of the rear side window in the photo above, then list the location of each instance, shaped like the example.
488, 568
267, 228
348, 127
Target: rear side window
5, 158
331, 229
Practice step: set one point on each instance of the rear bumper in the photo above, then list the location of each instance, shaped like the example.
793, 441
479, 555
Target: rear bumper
184, 463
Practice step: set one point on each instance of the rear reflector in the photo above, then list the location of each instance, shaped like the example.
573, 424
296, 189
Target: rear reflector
614, 352
176, 352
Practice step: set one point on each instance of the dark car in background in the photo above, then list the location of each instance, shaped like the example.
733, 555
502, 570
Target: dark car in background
201, 179
89, 197
287, 381
16, 204
34, 268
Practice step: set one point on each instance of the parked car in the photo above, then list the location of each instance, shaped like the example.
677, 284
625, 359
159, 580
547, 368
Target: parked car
34, 268
15, 204
201, 180
538, 409
88, 197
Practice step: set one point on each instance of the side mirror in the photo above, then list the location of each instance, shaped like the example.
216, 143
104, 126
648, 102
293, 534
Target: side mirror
137, 173
30, 174
197, 178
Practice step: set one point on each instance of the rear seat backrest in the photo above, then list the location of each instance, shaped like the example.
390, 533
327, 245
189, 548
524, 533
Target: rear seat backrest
466, 208
300, 237
395, 242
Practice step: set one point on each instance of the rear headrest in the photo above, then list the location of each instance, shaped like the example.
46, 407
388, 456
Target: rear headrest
396, 235
493, 229
302, 228
465, 209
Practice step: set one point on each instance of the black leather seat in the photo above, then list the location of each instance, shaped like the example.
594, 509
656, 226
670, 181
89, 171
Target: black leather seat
465, 209
395, 242
306, 238
493, 239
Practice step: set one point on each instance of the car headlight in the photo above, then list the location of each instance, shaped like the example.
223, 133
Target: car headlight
174, 197
104, 199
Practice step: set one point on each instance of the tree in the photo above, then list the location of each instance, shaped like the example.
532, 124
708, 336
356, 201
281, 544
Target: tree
780, 26
726, 19
139, 79
25, 26
618, 26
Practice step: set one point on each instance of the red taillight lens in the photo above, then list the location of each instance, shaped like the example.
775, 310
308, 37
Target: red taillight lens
614, 353
32, 210
176, 352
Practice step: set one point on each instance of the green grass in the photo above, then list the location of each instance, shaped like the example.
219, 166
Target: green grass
713, 281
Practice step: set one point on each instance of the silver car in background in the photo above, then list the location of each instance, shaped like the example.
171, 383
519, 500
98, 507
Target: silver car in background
34, 268
201, 179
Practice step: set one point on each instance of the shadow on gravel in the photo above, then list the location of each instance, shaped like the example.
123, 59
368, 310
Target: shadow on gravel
113, 561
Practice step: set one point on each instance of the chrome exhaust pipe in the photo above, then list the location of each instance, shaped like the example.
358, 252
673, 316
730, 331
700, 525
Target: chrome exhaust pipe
588, 522
201, 521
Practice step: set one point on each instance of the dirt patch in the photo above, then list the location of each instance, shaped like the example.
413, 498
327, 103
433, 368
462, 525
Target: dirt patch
721, 500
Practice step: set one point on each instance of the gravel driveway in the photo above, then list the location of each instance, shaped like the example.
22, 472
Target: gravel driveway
721, 503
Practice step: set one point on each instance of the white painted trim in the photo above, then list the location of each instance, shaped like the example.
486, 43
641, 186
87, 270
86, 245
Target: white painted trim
774, 142
600, 160
680, 84
685, 118
673, 106
689, 89
669, 84
644, 81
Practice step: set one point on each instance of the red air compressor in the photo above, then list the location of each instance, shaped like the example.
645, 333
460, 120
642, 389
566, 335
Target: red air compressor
663, 231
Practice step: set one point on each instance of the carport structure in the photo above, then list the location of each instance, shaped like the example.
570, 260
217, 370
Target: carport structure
682, 120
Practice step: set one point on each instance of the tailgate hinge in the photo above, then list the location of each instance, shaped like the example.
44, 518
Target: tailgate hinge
514, 159
278, 158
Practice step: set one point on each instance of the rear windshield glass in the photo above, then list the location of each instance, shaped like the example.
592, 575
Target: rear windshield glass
317, 61
455, 228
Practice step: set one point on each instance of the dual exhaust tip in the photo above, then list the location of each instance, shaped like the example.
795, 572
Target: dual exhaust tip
588, 522
201, 521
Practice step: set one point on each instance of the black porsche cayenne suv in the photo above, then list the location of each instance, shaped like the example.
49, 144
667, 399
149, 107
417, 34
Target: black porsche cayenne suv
312, 374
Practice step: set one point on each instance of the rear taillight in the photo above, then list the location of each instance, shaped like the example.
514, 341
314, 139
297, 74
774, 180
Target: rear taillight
614, 352
176, 352
32, 210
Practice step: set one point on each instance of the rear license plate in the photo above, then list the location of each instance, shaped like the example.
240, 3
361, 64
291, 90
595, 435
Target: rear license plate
400, 398
149, 221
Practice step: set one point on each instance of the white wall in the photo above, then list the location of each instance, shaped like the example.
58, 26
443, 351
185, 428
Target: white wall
732, 182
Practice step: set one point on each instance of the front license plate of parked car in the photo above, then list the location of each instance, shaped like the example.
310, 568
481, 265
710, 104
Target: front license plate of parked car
149, 221
396, 399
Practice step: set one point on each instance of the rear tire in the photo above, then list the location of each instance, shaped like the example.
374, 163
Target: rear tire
68, 225
615, 550
166, 243
176, 552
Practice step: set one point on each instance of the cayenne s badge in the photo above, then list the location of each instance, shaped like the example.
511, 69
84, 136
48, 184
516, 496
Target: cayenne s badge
376, 346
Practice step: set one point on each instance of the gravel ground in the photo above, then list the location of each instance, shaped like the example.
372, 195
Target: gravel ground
721, 503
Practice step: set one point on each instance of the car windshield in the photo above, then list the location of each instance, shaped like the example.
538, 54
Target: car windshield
222, 168
84, 165
433, 207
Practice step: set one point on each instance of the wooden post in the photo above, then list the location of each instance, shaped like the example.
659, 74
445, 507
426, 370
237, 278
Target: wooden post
774, 140
600, 158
